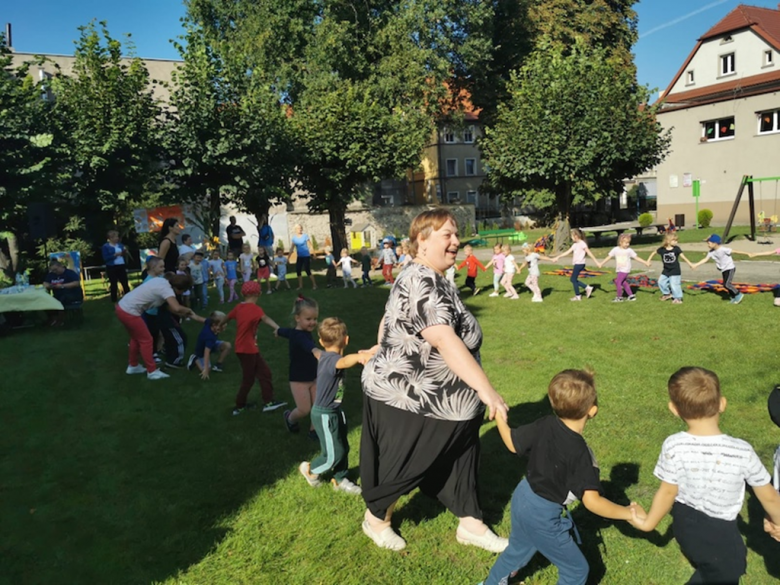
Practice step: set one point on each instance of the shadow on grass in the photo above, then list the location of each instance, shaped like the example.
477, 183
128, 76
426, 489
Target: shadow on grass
110, 478
757, 540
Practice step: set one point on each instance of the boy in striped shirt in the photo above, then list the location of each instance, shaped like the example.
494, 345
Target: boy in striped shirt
703, 474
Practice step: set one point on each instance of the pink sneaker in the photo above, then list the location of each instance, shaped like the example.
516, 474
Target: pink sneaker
577, 298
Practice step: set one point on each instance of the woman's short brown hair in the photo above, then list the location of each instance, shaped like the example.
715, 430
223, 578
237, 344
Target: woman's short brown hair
426, 223
695, 392
572, 394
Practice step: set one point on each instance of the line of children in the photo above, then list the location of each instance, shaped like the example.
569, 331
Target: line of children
472, 263
329, 420
303, 365
702, 471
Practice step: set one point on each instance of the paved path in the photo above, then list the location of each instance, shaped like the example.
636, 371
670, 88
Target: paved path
752, 272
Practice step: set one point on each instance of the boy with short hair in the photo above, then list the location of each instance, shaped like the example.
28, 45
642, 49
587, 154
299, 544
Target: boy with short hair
248, 316
326, 414
200, 279
388, 259
561, 469
703, 474
725, 263
208, 343
472, 263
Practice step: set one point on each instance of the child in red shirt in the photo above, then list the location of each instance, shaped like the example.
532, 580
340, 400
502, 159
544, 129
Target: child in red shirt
471, 263
248, 316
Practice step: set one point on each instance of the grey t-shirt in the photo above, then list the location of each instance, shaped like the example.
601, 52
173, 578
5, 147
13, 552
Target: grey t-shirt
330, 381
722, 257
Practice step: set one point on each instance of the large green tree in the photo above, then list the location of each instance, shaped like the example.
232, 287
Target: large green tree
576, 125
25, 153
108, 126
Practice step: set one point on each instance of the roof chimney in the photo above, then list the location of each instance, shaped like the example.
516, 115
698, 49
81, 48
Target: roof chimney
8, 40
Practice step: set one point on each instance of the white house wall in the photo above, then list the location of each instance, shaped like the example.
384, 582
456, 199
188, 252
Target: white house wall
720, 164
748, 49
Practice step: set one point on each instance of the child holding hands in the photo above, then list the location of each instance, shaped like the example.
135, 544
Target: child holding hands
329, 420
578, 250
725, 263
531, 260
623, 256
671, 278
703, 474
207, 343
472, 263
561, 469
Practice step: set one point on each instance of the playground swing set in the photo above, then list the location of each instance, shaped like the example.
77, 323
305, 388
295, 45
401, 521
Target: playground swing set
766, 224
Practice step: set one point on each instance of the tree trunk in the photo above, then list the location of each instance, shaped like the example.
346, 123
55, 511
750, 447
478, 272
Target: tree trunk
563, 229
338, 233
9, 263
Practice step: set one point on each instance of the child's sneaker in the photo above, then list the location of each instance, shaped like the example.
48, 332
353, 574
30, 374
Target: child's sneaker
617, 300
632, 297
191, 361
666, 297
273, 405
291, 426
139, 369
345, 486
249, 406
157, 375
305, 469
537, 300
476, 291
737, 299
677, 301
576, 298
588, 291
493, 294
217, 368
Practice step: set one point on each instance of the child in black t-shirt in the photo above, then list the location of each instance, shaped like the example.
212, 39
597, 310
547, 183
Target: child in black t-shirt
561, 469
326, 414
670, 280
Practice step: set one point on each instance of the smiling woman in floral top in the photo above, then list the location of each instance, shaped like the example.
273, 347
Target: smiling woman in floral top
425, 394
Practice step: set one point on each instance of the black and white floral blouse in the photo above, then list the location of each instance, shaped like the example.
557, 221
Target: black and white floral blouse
406, 372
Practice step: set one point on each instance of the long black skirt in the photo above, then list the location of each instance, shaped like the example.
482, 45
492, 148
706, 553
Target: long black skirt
401, 450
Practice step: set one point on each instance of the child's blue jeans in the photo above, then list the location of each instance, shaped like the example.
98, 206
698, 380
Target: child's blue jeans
538, 526
665, 283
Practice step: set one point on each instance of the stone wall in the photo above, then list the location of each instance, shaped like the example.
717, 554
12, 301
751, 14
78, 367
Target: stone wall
380, 221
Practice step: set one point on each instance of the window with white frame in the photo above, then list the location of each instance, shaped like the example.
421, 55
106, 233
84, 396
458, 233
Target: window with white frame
769, 58
769, 122
471, 167
728, 64
718, 129
452, 167
449, 136
689, 77
471, 197
453, 196
468, 135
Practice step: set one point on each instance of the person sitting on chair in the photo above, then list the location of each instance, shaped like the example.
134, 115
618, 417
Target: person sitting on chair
65, 285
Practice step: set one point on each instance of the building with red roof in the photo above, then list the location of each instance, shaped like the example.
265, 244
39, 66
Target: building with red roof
723, 107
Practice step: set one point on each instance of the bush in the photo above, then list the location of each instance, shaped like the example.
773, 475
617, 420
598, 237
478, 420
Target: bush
645, 220
704, 218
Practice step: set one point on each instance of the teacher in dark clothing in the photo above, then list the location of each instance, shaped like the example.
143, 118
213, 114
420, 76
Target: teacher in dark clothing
168, 250
235, 236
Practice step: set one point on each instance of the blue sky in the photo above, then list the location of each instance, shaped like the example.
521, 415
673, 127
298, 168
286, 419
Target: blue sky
668, 28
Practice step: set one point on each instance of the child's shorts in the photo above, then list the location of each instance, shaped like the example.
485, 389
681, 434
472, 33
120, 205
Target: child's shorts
263, 273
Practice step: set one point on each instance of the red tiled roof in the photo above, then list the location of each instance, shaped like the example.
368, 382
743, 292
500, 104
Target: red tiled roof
727, 90
764, 21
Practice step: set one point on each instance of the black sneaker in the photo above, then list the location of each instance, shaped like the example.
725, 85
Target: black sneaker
249, 406
273, 405
292, 427
217, 368
191, 362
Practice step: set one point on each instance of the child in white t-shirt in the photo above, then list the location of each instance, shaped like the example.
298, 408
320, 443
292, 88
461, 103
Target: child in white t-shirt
725, 263
623, 256
703, 474
531, 260
246, 262
510, 269
346, 262
217, 273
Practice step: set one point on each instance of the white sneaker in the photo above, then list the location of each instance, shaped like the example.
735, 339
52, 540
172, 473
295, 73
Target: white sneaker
588, 291
488, 541
305, 469
537, 300
139, 369
157, 375
493, 294
346, 486
388, 538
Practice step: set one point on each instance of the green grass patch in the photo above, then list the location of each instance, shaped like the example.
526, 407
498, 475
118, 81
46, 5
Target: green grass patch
109, 478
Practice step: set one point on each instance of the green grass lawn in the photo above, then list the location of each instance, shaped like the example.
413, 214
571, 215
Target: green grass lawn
109, 478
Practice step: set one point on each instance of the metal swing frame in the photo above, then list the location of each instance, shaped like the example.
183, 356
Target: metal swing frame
747, 181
